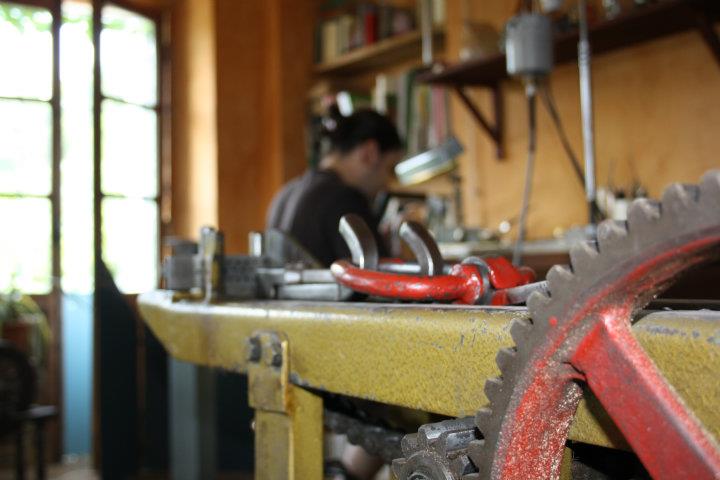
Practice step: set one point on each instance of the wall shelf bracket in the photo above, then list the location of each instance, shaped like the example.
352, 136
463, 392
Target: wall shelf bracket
495, 131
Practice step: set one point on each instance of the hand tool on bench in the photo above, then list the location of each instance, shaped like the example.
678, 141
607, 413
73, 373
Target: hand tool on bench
491, 280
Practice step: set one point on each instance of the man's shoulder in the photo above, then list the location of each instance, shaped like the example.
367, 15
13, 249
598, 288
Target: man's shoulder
328, 185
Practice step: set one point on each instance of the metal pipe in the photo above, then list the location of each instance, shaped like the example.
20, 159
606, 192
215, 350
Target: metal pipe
530, 92
586, 107
426, 31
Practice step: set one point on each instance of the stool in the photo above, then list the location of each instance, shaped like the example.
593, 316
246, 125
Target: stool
37, 414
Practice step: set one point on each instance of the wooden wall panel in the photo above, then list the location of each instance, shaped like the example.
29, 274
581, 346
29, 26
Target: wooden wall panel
194, 119
264, 59
657, 111
243, 151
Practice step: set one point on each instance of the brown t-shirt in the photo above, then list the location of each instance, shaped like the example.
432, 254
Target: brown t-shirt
309, 208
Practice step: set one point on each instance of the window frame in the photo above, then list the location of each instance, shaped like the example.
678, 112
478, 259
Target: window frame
50, 301
161, 109
54, 8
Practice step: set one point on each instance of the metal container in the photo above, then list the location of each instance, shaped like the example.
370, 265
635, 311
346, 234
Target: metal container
529, 45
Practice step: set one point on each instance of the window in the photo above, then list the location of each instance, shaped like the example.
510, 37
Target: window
129, 167
129, 156
26, 156
47, 177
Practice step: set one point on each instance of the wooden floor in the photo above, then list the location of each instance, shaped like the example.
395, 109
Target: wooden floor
78, 470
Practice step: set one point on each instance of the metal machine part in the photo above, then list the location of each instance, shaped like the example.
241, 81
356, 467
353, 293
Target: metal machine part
360, 241
415, 356
530, 92
586, 107
211, 252
278, 267
239, 277
178, 270
376, 440
529, 45
491, 280
282, 249
437, 452
580, 335
256, 247
423, 247
363, 249
488, 281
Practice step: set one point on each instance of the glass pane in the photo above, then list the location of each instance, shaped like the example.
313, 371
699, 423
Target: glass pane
27, 65
129, 150
26, 245
128, 56
76, 165
25, 147
130, 243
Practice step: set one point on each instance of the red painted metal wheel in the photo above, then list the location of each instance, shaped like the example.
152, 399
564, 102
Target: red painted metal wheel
581, 334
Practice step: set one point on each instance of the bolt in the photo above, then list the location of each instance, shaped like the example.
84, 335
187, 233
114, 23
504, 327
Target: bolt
254, 349
276, 359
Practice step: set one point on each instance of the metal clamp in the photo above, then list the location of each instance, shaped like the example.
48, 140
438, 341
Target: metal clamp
492, 280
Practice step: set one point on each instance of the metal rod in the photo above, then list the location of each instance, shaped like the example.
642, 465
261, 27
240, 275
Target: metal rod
586, 107
530, 91
426, 31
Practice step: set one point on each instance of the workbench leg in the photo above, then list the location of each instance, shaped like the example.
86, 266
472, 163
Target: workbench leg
288, 419
290, 445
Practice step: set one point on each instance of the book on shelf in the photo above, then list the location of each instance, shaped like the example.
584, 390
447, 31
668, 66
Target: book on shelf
348, 26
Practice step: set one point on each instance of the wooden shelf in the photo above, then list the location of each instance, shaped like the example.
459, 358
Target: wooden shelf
635, 26
384, 53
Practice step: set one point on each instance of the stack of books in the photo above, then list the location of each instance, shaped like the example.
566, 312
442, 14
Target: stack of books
347, 27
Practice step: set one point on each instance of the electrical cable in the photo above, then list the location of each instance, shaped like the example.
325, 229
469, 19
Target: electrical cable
530, 91
549, 102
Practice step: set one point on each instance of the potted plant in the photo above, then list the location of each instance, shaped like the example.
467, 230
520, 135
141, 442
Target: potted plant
24, 324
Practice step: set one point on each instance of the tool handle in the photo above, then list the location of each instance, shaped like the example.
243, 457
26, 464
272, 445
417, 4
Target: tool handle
464, 284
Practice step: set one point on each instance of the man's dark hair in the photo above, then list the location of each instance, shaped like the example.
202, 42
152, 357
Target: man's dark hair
346, 133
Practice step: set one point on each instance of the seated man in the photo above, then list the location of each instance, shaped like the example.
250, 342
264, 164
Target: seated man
363, 150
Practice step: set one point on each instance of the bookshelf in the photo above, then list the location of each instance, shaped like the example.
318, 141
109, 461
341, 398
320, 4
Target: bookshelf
383, 54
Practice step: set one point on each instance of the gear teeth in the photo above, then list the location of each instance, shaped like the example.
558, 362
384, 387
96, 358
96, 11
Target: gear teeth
558, 277
426, 434
505, 358
537, 303
483, 417
582, 257
686, 214
610, 233
678, 197
520, 331
493, 389
710, 187
643, 213
438, 451
409, 443
397, 465
475, 449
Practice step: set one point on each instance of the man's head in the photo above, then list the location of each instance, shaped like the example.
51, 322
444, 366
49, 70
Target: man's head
364, 148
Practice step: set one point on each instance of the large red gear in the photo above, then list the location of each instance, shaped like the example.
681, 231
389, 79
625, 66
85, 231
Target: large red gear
581, 334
